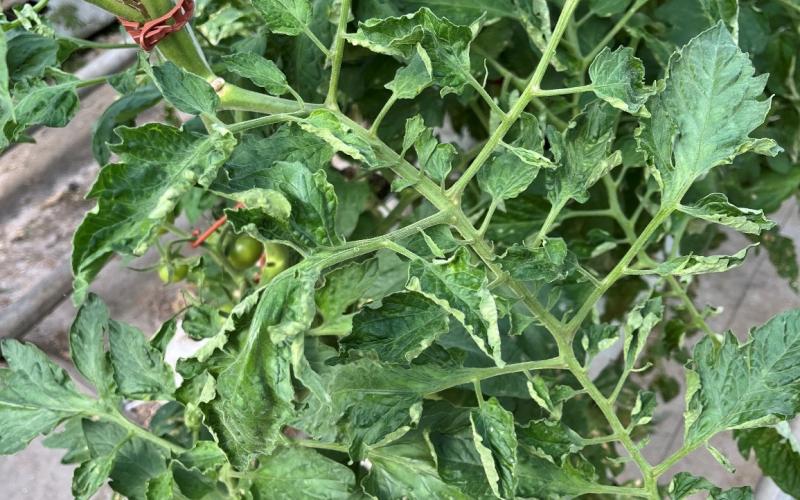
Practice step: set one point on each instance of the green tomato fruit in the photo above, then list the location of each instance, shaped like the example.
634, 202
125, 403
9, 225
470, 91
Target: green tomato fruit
244, 252
277, 261
174, 274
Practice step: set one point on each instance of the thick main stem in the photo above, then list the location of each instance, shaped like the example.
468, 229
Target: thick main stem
338, 54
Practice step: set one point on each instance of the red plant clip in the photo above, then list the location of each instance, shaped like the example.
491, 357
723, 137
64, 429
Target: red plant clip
201, 238
147, 35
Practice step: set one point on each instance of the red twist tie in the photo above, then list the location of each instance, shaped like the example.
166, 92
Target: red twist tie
147, 35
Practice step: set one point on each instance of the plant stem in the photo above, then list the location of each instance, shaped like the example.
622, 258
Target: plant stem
338, 54
119, 9
613, 32
382, 114
236, 98
697, 318
180, 47
235, 128
307, 443
487, 219
475, 84
519, 106
316, 41
564, 91
89, 44
140, 432
552, 215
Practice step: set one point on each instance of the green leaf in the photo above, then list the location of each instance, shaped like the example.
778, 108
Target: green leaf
399, 330
254, 391
121, 112
446, 44
777, 451
37, 102
258, 70
685, 484
409, 81
139, 369
72, 440
35, 395
91, 475
496, 442
158, 165
640, 322
28, 55
407, 470
687, 265
740, 386
287, 17
311, 219
716, 208
462, 289
700, 118
547, 263
618, 78
434, 159
186, 91
643, 409
87, 345
583, 152
6, 106
298, 473
539, 477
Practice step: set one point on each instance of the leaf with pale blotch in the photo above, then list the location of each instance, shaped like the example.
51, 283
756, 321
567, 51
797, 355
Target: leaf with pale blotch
158, 165
640, 322
186, 91
258, 70
87, 345
618, 78
740, 386
583, 153
643, 409
540, 478
446, 44
552, 441
716, 208
777, 451
550, 262
496, 441
410, 80
701, 118
462, 289
687, 265
399, 330
287, 17
684, 484
307, 219
434, 159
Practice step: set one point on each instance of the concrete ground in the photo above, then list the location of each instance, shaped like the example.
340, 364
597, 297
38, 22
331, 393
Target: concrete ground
36, 237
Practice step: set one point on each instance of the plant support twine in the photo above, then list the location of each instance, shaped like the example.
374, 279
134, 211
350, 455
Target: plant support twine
148, 34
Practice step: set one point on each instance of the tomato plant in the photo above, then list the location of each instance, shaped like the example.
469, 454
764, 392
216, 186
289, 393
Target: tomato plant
462, 204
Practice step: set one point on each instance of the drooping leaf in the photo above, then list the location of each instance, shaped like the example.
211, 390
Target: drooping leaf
158, 165
122, 112
462, 289
411, 80
716, 208
617, 78
549, 262
342, 137
741, 386
702, 118
640, 323
37, 102
552, 441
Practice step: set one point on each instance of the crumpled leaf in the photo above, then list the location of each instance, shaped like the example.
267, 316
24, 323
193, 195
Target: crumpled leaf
342, 137
462, 289
777, 451
409, 81
290, 470
258, 70
686, 265
716, 208
496, 441
446, 44
186, 91
287, 17
685, 484
617, 78
546, 263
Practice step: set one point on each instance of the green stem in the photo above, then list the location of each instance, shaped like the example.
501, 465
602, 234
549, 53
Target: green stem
552, 215
599, 440
235, 128
338, 54
613, 32
140, 432
180, 47
519, 106
487, 219
236, 98
564, 91
307, 443
485, 95
119, 9
382, 114
316, 41
89, 44
697, 318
